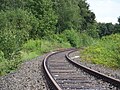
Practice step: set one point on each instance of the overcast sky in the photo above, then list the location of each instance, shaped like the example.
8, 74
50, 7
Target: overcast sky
105, 10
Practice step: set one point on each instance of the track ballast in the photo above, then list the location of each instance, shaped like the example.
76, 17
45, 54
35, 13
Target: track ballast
63, 74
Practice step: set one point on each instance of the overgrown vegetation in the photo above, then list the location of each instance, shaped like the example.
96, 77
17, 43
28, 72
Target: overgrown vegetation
29, 28
105, 51
31, 49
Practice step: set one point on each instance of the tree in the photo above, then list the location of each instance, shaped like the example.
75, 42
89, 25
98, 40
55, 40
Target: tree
110, 28
102, 29
106, 29
43, 11
12, 4
68, 14
88, 24
117, 28
74, 14
119, 19
15, 31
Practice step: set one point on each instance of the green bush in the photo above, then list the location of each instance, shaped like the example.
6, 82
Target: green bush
105, 51
7, 66
15, 28
47, 46
31, 49
32, 45
1, 56
72, 37
77, 39
47, 18
85, 40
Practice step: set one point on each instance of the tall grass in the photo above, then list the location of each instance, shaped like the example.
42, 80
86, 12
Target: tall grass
31, 49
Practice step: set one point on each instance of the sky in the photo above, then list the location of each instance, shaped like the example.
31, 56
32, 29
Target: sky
105, 10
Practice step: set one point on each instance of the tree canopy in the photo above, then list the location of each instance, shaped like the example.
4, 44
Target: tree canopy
21, 20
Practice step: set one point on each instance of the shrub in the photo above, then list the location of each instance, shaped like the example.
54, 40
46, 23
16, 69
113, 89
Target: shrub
105, 51
85, 40
72, 37
32, 45
77, 39
31, 49
1, 56
15, 27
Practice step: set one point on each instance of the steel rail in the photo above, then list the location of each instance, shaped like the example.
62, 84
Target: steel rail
51, 81
53, 85
111, 80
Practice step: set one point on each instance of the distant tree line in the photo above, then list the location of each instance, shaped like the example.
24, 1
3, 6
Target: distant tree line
108, 28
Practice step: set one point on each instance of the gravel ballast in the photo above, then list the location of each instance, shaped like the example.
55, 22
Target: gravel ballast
28, 77
107, 71
70, 77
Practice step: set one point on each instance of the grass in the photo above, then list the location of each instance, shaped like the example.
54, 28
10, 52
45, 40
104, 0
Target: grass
105, 51
68, 39
30, 49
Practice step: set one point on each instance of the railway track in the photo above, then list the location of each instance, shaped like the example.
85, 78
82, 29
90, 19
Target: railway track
64, 74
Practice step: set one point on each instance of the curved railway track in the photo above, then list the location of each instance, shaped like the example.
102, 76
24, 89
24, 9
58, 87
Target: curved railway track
64, 74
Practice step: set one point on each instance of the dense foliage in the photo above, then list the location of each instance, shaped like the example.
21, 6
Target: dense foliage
105, 51
75, 14
108, 29
29, 28
15, 26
